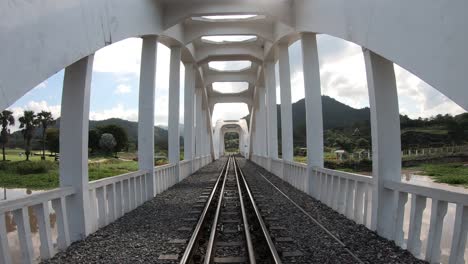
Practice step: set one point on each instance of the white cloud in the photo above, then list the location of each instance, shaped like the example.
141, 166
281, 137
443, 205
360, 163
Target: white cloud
120, 58
118, 111
123, 89
36, 106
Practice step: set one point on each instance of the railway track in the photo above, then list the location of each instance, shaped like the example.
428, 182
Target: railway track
230, 228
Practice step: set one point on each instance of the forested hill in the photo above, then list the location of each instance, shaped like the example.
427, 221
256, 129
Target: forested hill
335, 114
160, 134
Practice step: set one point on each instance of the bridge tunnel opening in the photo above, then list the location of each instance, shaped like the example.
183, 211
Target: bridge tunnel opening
231, 143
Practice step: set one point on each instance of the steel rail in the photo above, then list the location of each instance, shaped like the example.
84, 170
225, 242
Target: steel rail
193, 239
210, 245
273, 252
314, 220
248, 238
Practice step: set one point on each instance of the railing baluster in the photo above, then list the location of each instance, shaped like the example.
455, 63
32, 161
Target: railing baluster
21, 218
145, 187
400, 199
5, 256
43, 221
142, 199
418, 203
342, 196
101, 203
93, 209
438, 212
460, 231
350, 186
367, 204
63, 233
127, 199
111, 203
119, 198
335, 192
320, 184
359, 203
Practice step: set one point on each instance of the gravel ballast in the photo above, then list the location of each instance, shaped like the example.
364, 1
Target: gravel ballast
157, 229
312, 241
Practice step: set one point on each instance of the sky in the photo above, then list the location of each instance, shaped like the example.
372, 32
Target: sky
114, 86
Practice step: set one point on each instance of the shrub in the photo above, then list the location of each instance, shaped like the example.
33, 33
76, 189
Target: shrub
24, 168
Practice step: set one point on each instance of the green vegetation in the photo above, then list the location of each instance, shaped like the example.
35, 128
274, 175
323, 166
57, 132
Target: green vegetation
7, 119
231, 142
44, 174
451, 173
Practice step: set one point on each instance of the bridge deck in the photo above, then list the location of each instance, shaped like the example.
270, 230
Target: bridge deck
159, 227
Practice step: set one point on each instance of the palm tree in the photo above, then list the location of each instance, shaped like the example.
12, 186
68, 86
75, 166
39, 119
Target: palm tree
45, 119
28, 123
7, 119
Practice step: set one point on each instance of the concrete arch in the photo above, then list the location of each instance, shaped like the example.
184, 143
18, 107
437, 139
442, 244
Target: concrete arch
426, 38
41, 38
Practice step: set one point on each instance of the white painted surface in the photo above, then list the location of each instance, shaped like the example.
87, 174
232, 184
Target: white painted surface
74, 126
146, 109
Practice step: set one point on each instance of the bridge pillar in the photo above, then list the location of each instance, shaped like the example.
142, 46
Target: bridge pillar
286, 106
74, 126
146, 111
189, 135
173, 119
386, 142
272, 114
198, 124
313, 104
261, 124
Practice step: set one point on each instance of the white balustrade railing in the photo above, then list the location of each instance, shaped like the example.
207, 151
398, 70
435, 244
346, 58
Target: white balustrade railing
164, 177
110, 198
40, 203
351, 195
440, 201
296, 174
185, 169
347, 193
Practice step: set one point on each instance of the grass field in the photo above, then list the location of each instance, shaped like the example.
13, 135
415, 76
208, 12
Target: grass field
44, 174
450, 173
14, 155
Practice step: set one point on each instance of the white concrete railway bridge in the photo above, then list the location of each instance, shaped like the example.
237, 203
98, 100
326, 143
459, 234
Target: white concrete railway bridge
428, 38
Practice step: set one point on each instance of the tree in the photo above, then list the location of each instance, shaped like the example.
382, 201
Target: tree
7, 119
53, 140
120, 135
28, 123
93, 140
107, 142
45, 119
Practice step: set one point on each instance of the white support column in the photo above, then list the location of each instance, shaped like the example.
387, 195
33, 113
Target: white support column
386, 144
272, 124
286, 106
198, 115
251, 132
174, 91
211, 136
74, 145
313, 104
189, 135
255, 128
146, 111
262, 135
